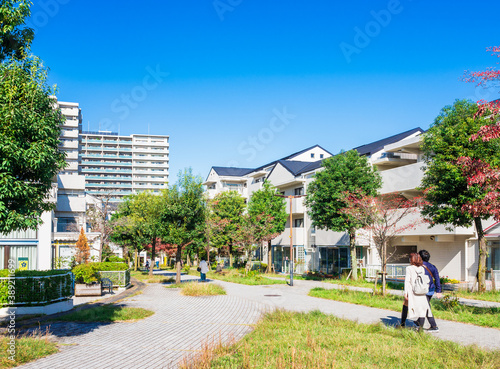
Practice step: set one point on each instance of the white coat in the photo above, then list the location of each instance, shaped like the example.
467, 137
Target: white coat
203, 267
418, 306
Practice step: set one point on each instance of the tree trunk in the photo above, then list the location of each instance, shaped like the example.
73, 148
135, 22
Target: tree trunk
188, 260
354, 260
136, 261
230, 256
178, 256
269, 257
481, 267
153, 252
384, 268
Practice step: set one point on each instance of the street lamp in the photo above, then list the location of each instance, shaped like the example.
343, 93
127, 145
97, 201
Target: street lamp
291, 233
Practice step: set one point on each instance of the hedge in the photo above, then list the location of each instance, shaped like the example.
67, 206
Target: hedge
52, 285
107, 265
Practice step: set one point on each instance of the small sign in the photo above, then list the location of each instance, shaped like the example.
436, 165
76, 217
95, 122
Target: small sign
22, 263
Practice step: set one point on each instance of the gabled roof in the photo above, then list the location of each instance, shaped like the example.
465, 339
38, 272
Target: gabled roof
291, 156
232, 171
294, 167
376, 146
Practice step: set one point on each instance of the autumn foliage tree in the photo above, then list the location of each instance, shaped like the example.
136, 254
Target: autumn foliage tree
385, 217
455, 191
82, 253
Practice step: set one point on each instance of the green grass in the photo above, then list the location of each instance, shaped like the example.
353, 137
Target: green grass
485, 317
156, 278
26, 349
234, 276
199, 289
493, 296
316, 340
107, 313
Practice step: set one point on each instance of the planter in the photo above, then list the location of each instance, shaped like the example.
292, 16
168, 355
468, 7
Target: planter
88, 289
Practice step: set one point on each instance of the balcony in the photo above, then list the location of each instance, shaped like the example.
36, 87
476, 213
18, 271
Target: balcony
70, 133
297, 205
71, 204
405, 178
73, 123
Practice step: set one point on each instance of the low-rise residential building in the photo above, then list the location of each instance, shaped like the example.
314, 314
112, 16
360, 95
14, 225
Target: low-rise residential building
399, 160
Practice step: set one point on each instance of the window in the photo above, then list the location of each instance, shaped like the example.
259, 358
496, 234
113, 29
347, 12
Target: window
399, 254
299, 191
321, 156
298, 223
312, 155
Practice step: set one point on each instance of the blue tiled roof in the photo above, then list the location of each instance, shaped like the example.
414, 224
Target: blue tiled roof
376, 146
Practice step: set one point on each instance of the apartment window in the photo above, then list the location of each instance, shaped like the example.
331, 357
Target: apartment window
321, 156
299, 191
298, 223
312, 155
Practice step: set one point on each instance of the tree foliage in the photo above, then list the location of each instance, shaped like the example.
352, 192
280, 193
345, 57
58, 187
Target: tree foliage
228, 206
183, 215
347, 172
15, 40
82, 254
29, 138
452, 198
268, 213
385, 217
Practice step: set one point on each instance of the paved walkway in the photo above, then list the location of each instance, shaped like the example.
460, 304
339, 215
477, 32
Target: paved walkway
181, 324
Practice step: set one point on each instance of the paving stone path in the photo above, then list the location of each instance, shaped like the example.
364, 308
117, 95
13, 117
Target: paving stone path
177, 329
181, 324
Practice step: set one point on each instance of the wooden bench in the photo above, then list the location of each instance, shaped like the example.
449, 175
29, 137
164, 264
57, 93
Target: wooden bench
106, 283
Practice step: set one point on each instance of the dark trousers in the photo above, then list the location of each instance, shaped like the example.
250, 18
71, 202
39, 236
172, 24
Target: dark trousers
203, 277
421, 321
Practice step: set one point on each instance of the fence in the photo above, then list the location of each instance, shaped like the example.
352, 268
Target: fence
36, 290
120, 278
394, 271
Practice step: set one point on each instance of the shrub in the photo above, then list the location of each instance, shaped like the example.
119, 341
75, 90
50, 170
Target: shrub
108, 265
115, 259
263, 267
86, 273
186, 268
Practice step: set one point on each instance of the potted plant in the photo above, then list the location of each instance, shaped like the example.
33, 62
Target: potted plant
87, 280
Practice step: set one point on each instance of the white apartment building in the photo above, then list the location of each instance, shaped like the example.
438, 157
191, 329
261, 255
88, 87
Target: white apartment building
117, 165
399, 160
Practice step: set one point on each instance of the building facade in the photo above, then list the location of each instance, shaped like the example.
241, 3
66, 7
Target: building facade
117, 166
399, 160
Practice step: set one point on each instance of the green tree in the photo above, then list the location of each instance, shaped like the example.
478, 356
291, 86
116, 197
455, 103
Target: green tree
345, 173
268, 211
229, 206
183, 214
15, 41
29, 138
146, 207
447, 191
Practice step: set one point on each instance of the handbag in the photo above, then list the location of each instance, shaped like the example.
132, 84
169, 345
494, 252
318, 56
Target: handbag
198, 269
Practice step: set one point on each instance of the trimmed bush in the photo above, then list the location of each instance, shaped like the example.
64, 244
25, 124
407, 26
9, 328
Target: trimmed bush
86, 273
108, 265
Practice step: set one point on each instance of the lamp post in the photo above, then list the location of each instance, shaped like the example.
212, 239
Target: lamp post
291, 234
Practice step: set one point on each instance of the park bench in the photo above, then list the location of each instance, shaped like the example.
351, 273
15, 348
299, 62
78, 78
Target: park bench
107, 284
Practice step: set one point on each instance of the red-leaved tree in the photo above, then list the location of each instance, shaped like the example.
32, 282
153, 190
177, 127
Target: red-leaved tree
479, 174
385, 217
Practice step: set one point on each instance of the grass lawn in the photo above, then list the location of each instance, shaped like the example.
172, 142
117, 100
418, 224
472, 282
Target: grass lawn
26, 349
485, 317
107, 313
144, 277
493, 296
316, 340
199, 289
235, 277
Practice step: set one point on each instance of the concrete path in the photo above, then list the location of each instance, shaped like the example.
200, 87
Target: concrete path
181, 324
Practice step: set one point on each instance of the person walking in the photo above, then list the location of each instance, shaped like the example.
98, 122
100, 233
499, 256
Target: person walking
203, 270
434, 284
416, 305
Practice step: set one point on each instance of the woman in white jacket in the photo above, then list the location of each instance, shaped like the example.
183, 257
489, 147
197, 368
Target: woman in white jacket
418, 306
203, 270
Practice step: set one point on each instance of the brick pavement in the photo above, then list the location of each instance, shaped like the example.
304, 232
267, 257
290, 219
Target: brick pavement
178, 327
181, 324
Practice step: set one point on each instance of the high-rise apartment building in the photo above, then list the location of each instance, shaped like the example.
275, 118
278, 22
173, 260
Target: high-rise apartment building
117, 165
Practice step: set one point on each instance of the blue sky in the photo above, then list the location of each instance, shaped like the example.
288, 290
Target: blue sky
242, 83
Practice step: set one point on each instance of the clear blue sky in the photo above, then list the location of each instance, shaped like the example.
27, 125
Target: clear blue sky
219, 76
